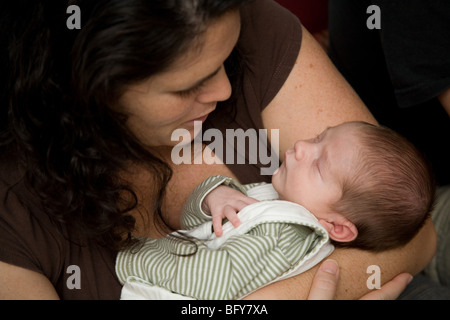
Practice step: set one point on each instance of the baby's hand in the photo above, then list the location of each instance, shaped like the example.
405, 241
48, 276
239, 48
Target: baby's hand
225, 202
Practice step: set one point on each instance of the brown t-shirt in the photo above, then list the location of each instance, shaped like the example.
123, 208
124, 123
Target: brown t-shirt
269, 45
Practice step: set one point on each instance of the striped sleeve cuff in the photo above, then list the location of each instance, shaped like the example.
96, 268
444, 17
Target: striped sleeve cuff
193, 215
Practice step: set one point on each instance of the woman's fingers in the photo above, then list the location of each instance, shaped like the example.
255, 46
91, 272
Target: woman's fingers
325, 281
391, 290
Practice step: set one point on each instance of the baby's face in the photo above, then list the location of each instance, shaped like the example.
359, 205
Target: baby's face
312, 172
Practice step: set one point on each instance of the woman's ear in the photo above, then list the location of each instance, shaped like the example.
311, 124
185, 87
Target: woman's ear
339, 228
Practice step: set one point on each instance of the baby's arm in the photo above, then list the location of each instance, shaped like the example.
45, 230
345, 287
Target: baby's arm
225, 202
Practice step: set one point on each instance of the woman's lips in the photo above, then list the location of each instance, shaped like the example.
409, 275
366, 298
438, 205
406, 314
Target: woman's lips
202, 119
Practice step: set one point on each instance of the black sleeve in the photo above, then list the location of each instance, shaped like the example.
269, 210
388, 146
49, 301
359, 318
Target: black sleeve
270, 42
415, 36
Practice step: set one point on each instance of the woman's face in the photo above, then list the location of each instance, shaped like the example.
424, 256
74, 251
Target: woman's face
188, 91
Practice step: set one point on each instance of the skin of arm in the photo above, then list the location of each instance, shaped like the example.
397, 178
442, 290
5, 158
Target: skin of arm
353, 266
326, 280
23, 284
314, 97
444, 98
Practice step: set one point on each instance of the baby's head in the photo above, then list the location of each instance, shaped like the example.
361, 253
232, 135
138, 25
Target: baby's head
367, 185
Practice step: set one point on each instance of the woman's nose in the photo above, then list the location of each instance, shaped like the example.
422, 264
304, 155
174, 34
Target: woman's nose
217, 89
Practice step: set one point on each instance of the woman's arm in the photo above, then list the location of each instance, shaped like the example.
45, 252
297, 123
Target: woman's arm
353, 269
21, 284
444, 98
314, 97
326, 279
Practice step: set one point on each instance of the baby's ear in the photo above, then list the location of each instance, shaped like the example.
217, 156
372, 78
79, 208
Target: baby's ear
339, 228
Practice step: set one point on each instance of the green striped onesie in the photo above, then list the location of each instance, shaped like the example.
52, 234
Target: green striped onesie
276, 239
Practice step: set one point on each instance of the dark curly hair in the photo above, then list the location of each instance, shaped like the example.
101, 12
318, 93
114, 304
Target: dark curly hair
57, 114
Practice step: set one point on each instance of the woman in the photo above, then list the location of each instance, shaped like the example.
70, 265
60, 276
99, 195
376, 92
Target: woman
86, 148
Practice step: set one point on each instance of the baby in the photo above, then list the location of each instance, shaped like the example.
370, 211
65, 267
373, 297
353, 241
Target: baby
367, 185
361, 185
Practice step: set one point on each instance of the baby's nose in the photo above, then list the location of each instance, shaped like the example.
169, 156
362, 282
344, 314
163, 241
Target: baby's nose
300, 148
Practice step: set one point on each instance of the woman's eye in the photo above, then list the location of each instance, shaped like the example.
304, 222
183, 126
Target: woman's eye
190, 92
317, 139
320, 137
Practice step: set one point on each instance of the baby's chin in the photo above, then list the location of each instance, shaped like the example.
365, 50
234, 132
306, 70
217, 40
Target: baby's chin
274, 177
275, 180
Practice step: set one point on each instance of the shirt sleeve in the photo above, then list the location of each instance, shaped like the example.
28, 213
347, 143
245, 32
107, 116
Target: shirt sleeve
193, 214
270, 42
27, 241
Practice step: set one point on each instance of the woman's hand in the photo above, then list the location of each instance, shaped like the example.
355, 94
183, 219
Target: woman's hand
225, 202
325, 283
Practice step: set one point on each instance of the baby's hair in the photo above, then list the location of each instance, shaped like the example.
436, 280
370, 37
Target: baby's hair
390, 194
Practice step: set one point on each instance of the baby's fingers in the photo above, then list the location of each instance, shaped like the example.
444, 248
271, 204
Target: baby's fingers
231, 214
217, 225
251, 200
242, 203
228, 212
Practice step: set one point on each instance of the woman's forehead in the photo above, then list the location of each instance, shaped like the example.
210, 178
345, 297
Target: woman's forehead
215, 44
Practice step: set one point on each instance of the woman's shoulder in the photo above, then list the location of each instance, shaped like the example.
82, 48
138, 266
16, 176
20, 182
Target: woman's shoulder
266, 21
28, 237
31, 239
14, 193
267, 9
